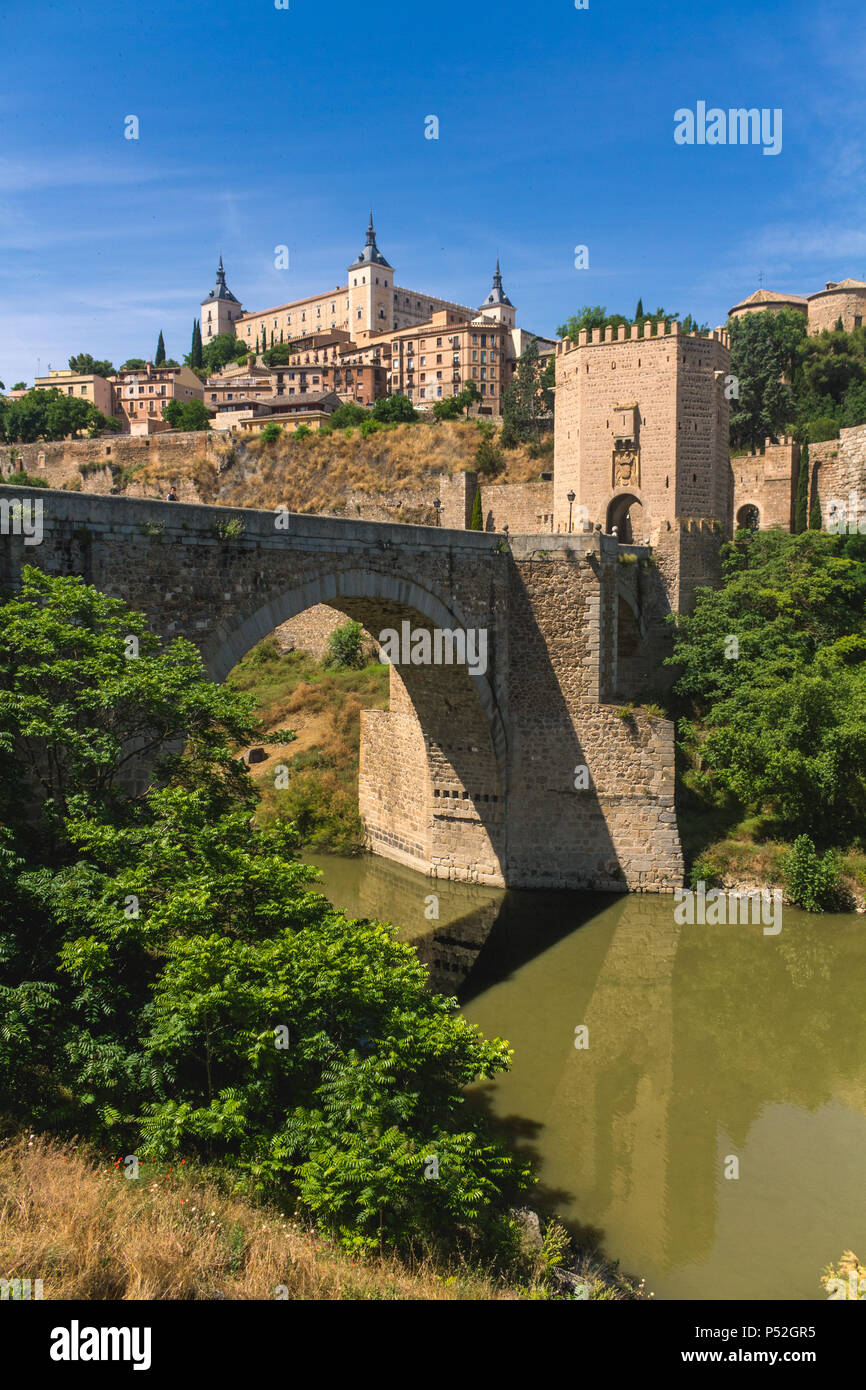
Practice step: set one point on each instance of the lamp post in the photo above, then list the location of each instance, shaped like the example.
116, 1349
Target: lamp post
438, 505
570, 496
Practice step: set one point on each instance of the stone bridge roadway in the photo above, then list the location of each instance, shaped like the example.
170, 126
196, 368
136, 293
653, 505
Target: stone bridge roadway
466, 776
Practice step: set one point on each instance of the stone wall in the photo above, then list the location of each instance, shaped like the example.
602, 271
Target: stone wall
97, 463
838, 471
525, 508
766, 480
826, 308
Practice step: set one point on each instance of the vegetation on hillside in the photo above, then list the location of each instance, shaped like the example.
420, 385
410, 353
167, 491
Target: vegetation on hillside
321, 472
323, 702
94, 1229
772, 689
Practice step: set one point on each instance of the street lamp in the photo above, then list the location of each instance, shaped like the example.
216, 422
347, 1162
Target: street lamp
570, 496
438, 505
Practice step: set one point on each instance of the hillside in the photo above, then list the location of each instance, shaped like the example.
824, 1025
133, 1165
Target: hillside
324, 473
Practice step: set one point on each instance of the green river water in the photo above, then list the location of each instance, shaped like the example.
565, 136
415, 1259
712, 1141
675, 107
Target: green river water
704, 1042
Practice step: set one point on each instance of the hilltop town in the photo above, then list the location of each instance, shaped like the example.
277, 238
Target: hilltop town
635, 454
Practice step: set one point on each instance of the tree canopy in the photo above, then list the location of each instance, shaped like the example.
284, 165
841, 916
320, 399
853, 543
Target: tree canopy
50, 414
87, 365
777, 717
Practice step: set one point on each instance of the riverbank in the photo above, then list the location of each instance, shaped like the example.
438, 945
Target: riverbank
74, 1219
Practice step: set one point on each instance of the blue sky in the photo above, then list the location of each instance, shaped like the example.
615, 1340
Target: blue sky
261, 127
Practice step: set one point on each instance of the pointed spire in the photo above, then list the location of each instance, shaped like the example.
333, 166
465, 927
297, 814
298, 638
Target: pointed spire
371, 253
221, 275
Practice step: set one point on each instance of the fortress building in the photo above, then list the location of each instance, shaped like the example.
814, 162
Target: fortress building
370, 337
843, 299
367, 305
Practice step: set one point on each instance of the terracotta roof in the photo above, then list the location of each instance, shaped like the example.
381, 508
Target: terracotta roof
770, 297
832, 286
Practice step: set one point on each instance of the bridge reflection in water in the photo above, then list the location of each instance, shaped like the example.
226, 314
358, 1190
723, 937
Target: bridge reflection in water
704, 1042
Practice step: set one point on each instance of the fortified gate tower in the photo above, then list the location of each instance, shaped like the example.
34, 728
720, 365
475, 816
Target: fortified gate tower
641, 442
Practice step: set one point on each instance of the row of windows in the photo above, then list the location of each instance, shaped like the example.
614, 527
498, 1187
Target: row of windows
422, 392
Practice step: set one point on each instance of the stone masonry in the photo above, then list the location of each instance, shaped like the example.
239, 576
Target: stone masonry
523, 774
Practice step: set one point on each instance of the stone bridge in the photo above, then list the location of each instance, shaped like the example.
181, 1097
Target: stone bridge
523, 774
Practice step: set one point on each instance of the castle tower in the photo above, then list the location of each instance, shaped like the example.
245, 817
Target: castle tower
220, 310
371, 291
497, 305
641, 438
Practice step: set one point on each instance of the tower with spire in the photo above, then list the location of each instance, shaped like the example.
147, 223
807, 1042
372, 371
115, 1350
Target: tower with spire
371, 291
220, 310
497, 306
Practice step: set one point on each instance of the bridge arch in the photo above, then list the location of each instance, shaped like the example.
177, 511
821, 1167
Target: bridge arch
432, 786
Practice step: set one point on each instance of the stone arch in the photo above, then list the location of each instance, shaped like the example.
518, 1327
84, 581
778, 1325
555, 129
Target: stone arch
748, 517
433, 767
624, 511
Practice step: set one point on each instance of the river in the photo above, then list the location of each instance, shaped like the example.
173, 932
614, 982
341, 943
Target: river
705, 1044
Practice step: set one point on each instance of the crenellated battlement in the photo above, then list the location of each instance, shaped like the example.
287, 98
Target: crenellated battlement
651, 329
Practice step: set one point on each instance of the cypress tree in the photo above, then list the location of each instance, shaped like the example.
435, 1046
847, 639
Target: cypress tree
815, 515
192, 361
477, 522
199, 345
801, 513
638, 313
159, 355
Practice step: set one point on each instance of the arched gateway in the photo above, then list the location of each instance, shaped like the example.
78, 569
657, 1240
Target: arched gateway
502, 758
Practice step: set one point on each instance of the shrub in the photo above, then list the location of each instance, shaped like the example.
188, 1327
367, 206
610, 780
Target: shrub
811, 879
823, 428
344, 645
230, 530
303, 432
271, 432
704, 871
488, 458
22, 479
370, 427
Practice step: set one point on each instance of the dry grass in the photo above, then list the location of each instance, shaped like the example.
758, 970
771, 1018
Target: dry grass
322, 472
72, 1219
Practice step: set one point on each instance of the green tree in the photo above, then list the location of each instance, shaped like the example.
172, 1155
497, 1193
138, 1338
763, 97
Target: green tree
477, 521
271, 432
815, 514
781, 728
344, 645
801, 511
765, 362
449, 408
85, 364
133, 364
488, 456
393, 410
528, 401
347, 414
159, 355
186, 415
51, 414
